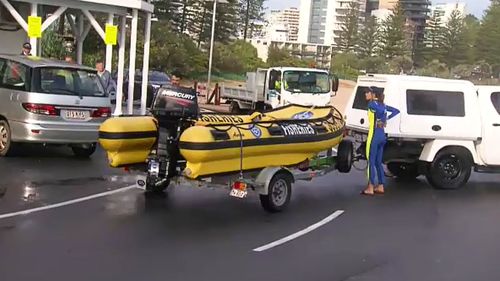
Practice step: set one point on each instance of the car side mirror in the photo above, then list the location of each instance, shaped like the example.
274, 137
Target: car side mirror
335, 83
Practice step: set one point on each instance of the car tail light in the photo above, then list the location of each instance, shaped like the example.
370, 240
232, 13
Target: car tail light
239, 185
102, 112
42, 109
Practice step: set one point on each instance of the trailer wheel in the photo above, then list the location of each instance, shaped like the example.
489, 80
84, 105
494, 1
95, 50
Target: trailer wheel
279, 193
152, 188
345, 156
451, 169
234, 108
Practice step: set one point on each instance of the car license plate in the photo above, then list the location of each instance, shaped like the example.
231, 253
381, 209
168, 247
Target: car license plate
75, 114
238, 193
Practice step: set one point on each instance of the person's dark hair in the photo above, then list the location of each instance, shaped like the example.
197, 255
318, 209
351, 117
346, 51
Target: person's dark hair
177, 73
99, 61
380, 96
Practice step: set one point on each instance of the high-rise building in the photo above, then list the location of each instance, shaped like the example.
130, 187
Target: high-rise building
443, 11
287, 20
321, 20
417, 13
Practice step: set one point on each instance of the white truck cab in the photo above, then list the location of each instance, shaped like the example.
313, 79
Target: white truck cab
279, 86
445, 128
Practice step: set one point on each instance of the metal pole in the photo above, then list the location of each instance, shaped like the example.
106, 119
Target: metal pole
131, 68
109, 49
211, 48
79, 43
34, 41
121, 66
145, 64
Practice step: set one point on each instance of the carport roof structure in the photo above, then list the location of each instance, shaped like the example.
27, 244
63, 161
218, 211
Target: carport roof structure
81, 16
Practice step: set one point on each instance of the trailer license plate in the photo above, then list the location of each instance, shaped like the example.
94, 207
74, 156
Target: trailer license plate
238, 193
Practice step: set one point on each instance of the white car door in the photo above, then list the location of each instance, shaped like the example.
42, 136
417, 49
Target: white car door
490, 111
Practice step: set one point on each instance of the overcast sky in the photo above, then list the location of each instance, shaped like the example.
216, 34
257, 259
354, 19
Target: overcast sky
475, 7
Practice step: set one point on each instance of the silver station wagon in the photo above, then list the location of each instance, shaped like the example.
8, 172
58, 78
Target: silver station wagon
50, 102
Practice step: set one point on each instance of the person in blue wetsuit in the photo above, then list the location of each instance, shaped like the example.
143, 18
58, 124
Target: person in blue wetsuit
377, 117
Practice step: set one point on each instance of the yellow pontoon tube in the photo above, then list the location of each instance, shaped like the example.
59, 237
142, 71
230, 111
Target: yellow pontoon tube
282, 137
128, 140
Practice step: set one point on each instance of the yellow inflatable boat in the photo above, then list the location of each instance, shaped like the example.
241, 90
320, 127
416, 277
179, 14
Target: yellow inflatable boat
221, 143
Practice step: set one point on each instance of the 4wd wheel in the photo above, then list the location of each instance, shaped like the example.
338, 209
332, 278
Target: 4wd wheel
403, 171
451, 169
279, 193
7, 147
345, 156
84, 151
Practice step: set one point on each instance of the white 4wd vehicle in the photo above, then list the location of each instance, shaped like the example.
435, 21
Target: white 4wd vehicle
445, 128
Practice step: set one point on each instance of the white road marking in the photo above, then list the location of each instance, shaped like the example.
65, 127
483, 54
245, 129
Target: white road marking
66, 203
326, 220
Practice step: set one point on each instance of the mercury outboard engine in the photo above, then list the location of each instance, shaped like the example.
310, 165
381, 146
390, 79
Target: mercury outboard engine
176, 109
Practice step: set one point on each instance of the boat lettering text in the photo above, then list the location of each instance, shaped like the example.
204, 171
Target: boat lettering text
178, 95
298, 130
222, 119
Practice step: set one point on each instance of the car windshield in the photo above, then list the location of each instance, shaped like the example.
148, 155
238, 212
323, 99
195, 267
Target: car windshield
68, 81
306, 82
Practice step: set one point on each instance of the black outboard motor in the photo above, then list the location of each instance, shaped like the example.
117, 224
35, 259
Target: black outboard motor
176, 109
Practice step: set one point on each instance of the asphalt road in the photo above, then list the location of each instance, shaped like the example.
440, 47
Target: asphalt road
411, 233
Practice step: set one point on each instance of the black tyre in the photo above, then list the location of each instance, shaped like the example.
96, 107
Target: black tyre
234, 108
345, 156
153, 188
7, 146
451, 169
403, 171
84, 151
279, 193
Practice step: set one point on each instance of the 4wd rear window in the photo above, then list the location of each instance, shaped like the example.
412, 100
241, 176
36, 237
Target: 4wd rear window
67, 81
435, 103
495, 99
360, 101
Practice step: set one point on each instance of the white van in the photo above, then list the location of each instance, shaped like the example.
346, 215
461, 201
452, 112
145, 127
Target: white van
445, 128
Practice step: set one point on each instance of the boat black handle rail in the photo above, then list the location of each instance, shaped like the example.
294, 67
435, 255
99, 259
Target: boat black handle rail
269, 124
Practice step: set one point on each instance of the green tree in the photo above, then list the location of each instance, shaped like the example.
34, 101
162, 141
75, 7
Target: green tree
433, 38
226, 25
488, 37
280, 57
472, 26
52, 45
374, 65
251, 11
435, 68
454, 44
400, 64
368, 41
346, 65
168, 11
237, 57
349, 29
177, 51
247, 54
393, 34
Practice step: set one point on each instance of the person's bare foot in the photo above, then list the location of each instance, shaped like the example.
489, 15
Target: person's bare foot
368, 191
379, 189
